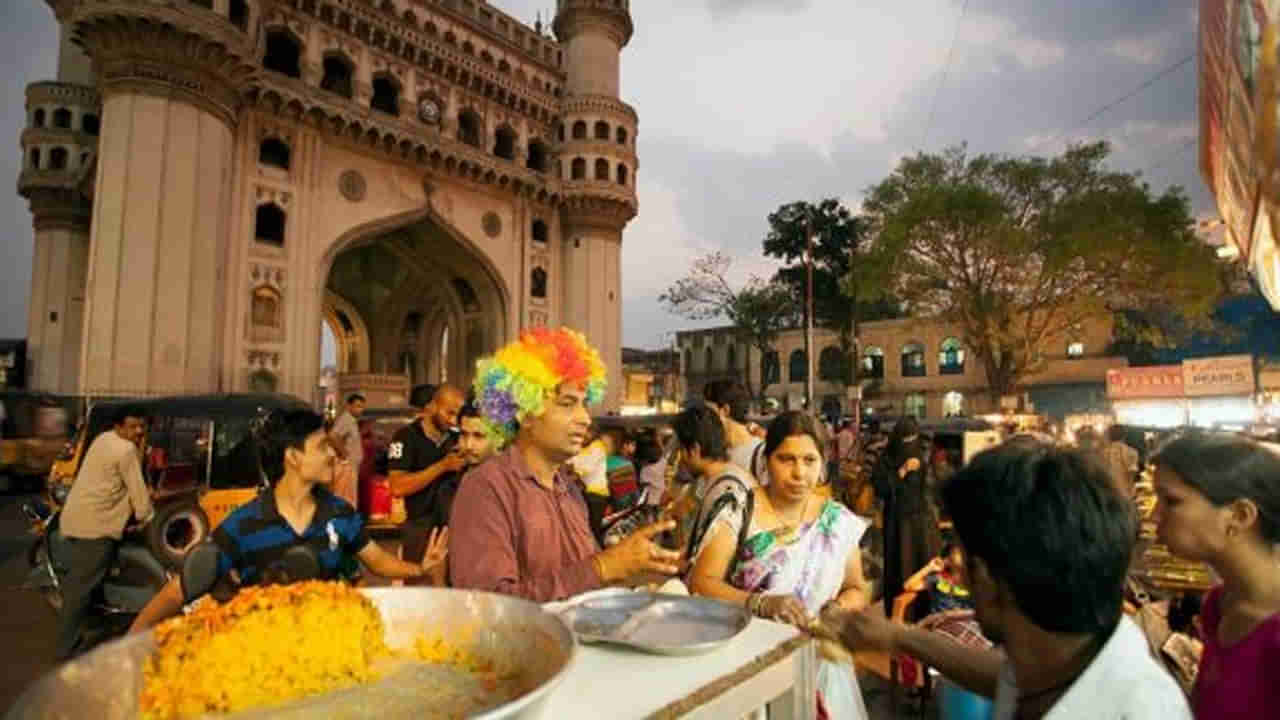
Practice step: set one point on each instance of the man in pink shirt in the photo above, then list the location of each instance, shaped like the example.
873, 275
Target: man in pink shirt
519, 521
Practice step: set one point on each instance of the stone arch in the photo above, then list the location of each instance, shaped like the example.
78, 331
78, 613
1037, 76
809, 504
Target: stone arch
62, 119
349, 331
37, 118
89, 124
283, 52
269, 224
831, 364
797, 367
470, 127
338, 74
622, 135
58, 158
602, 169
461, 256
386, 94
913, 360
238, 14
578, 170
580, 130
35, 158
602, 130
622, 174
274, 152
537, 160
504, 142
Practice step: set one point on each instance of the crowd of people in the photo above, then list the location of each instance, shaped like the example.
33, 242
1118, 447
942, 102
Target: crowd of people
509, 489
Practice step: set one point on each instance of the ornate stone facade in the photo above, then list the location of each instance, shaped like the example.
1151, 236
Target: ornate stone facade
226, 177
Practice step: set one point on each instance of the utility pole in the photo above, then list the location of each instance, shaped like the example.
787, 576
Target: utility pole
808, 319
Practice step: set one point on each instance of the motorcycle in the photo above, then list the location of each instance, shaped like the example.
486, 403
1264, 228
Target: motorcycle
134, 577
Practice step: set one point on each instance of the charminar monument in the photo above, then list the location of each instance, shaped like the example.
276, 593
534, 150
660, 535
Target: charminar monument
213, 181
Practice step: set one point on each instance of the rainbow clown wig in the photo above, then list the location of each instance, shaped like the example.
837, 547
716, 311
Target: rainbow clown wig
514, 383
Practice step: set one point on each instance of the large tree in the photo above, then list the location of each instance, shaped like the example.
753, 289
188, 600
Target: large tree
1018, 251
758, 309
839, 241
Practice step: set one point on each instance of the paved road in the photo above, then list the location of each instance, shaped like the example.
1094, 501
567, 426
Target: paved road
27, 624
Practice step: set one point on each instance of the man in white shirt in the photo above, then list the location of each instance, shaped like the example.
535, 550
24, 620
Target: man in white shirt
1047, 542
347, 443
108, 490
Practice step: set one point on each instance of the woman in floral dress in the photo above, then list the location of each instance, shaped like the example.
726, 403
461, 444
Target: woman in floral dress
799, 553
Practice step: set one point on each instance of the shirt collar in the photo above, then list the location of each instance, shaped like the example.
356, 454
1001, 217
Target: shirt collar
516, 460
270, 511
1108, 677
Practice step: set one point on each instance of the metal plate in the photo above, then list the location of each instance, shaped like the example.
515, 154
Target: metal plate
663, 624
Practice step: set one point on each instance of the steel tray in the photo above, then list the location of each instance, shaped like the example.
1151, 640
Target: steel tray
653, 622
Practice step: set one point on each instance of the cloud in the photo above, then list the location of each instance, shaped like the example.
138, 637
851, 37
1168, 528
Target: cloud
728, 8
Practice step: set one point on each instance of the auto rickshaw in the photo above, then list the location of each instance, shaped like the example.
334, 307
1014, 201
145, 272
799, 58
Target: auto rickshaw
199, 459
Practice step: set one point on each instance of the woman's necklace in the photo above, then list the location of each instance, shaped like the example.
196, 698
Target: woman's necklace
787, 530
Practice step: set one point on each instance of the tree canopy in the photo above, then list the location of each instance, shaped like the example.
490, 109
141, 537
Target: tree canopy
758, 309
1018, 251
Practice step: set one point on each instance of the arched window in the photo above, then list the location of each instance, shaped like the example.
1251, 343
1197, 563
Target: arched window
708, 360
266, 308
952, 404
539, 231
538, 283
731, 357
602, 169
62, 118
602, 130
770, 368
622, 174
274, 153
37, 118
268, 225
469, 127
688, 361
537, 156
873, 363
580, 130
914, 404
831, 365
951, 357
579, 171
238, 14
58, 159
337, 75
913, 360
622, 136
797, 367
35, 158
89, 124
386, 95
504, 143
283, 54
1075, 349
560, 132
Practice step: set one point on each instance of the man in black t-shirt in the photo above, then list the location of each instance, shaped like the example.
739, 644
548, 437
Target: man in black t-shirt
424, 465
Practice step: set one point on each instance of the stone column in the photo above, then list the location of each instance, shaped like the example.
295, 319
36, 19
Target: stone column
58, 270
155, 301
592, 282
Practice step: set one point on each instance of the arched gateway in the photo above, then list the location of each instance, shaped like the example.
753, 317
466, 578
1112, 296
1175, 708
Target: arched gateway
236, 181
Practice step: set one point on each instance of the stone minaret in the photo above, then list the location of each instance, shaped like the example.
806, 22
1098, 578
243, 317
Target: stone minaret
169, 77
59, 145
598, 155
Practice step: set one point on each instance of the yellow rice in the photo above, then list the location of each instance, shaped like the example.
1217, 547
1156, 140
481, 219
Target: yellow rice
267, 646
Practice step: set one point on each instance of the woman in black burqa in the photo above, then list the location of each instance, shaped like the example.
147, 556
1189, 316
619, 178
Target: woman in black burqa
911, 537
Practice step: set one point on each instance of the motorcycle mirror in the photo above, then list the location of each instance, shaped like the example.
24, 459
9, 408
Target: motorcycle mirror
199, 571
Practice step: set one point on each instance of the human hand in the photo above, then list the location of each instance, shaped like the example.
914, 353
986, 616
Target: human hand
453, 462
911, 465
862, 630
936, 565
784, 609
638, 554
437, 550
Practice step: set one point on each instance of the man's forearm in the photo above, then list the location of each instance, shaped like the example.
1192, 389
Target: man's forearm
409, 483
975, 670
162, 606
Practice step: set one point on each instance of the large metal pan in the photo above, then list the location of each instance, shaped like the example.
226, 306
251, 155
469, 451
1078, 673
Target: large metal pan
105, 683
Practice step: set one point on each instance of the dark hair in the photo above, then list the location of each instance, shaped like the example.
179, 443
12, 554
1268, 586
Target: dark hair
903, 429
1047, 523
648, 451
124, 412
469, 410
421, 396
731, 394
279, 431
1225, 468
353, 397
702, 427
790, 424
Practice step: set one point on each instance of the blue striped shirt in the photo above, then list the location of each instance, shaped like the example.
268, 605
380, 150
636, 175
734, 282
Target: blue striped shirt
253, 539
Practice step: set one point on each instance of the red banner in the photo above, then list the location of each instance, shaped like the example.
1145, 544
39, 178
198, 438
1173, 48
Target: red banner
1156, 381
